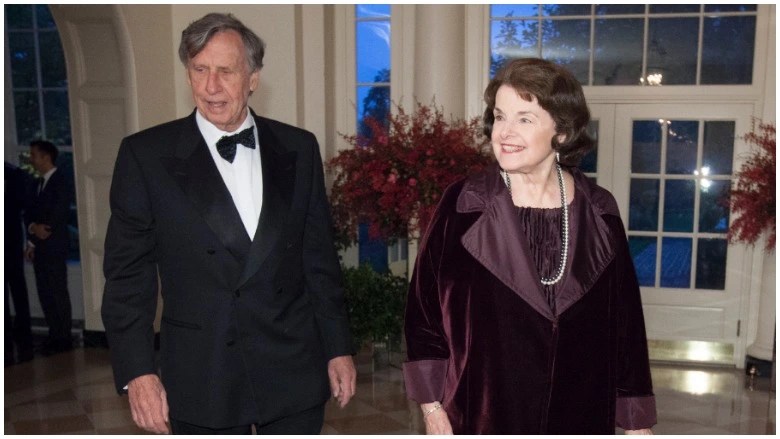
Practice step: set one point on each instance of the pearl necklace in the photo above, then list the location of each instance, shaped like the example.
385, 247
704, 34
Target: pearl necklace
565, 234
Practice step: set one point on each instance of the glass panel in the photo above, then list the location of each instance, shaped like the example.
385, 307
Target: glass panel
55, 106
373, 50
619, 9
673, 9
28, 119
711, 264
718, 147
643, 252
514, 10
678, 205
729, 8
52, 60
676, 262
44, 18
730, 63
643, 204
560, 10
646, 147
511, 39
589, 162
374, 102
567, 43
22, 47
18, 16
372, 11
618, 51
714, 206
682, 140
671, 49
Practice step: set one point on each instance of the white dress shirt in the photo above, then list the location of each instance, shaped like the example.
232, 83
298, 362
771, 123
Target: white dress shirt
243, 177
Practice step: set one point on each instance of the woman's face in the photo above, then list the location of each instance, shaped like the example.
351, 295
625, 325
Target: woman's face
522, 132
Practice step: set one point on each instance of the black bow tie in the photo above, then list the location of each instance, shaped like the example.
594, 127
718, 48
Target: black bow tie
226, 146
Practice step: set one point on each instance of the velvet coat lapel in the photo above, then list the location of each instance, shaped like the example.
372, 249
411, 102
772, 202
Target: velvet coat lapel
496, 237
195, 172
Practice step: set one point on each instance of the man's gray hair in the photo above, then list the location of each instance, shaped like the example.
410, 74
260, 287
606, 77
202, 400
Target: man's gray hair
195, 37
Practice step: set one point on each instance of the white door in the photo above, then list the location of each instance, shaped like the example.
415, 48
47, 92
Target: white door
670, 172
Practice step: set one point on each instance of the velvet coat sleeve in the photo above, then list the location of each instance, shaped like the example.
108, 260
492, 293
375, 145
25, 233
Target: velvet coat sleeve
427, 344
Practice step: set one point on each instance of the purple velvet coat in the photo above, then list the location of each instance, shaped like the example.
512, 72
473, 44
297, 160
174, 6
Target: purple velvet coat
482, 339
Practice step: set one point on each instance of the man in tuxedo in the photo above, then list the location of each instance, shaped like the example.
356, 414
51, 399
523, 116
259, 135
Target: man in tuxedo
229, 210
47, 244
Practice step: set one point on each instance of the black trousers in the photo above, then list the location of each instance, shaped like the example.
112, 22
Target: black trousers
51, 279
18, 330
305, 422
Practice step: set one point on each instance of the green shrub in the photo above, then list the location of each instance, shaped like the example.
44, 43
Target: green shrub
376, 305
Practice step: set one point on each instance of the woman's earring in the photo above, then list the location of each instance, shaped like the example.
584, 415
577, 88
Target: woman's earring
558, 157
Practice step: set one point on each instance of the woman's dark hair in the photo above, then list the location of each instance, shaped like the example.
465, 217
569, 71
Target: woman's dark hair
195, 37
557, 91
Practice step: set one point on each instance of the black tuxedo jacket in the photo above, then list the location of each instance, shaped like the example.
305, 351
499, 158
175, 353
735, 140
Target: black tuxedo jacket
51, 207
247, 326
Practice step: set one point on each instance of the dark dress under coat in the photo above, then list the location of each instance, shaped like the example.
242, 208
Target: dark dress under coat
484, 341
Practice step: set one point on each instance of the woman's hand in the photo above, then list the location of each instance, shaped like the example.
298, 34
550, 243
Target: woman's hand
642, 431
436, 420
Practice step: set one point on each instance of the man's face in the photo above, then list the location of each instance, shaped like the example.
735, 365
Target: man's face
221, 81
39, 160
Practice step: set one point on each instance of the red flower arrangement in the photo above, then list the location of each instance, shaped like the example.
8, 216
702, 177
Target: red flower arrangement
393, 178
753, 197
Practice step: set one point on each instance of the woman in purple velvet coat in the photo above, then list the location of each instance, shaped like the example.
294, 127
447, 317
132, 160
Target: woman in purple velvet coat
524, 313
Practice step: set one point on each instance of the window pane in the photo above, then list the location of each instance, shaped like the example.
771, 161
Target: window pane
711, 264
372, 102
643, 205
718, 147
676, 263
43, 15
18, 16
714, 206
673, 9
682, 139
646, 147
372, 11
559, 10
373, 50
28, 119
678, 205
618, 52
567, 43
589, 162
730, 63
52, 60
619, 9
671, 51
643, 252
511, 39
55, 105
729, 8
22, 47
514, 10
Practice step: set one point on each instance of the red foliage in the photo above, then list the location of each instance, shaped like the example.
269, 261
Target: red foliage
753, 197
393, 179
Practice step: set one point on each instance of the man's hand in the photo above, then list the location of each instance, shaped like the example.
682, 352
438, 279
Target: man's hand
436, 422
642, 431
341, 371
29, 253
41, 231
149, 404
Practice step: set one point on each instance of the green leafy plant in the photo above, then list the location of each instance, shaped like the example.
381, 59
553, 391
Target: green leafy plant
375, 302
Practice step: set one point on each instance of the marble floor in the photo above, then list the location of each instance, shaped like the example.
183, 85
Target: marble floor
73, 393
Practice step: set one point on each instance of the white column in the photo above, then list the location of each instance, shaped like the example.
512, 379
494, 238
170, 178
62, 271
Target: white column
765, 335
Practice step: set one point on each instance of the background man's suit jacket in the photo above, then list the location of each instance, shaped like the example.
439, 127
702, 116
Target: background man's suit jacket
247, 326
51, 207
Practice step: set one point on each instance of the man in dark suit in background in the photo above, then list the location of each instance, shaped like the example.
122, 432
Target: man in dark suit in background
47, 244
17, 329
229, 209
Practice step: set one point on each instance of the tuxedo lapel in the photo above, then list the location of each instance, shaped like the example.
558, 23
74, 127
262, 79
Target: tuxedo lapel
194, 170
278, 185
